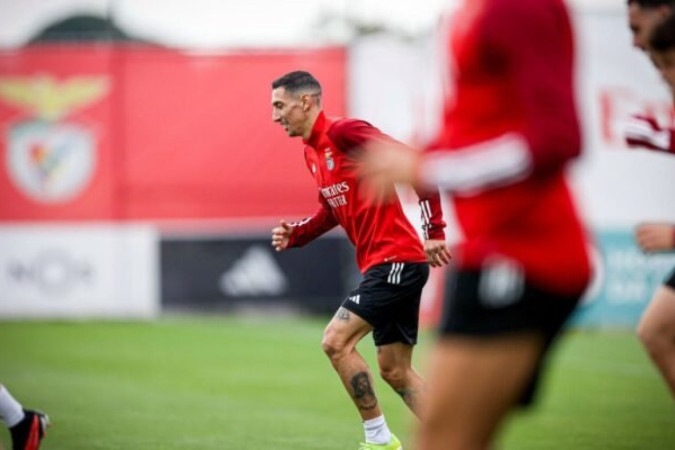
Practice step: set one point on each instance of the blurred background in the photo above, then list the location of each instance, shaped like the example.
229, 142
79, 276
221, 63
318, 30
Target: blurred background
141, 304
142, 174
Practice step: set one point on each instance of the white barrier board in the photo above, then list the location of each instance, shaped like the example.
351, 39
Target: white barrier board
78, 271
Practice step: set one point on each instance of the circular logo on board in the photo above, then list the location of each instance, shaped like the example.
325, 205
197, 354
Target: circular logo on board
50, 162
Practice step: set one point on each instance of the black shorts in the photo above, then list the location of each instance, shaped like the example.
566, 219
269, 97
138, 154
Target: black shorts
388, 298
670, 280
477, 306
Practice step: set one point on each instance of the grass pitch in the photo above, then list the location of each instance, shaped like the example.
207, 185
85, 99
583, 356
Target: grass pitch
226, 383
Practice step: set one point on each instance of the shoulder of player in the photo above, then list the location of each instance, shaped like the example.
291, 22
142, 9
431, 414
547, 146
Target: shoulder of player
345, 125
346, 133
506, 8
510, 13
520, 21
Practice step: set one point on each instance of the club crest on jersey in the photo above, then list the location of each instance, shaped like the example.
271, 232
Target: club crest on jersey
330, 162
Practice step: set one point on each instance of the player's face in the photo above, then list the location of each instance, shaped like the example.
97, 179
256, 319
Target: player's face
665, 62
642, 21
287, 110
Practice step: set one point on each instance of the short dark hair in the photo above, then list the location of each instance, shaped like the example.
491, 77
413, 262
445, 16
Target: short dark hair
651, 3
297, 81
662, 39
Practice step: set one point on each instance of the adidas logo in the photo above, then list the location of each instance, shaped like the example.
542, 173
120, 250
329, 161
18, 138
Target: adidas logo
355, 298
255, 273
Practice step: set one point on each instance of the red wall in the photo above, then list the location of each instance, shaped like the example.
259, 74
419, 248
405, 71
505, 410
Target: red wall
177, 135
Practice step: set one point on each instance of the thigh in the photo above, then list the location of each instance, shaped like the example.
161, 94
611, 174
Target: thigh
346, 329
473, 383
659, 317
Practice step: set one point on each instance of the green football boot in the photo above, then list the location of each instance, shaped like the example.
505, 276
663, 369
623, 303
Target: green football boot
394, 444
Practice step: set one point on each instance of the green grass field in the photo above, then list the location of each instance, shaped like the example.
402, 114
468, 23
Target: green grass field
224, 383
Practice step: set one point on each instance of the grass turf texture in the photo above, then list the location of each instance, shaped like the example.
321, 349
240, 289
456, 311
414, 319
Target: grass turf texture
224, 383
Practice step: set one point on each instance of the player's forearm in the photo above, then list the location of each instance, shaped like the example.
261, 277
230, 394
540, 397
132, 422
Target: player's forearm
311, 228
433, 226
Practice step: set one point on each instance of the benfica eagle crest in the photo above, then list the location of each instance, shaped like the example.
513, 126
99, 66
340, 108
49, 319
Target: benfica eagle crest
330, 162
50, 158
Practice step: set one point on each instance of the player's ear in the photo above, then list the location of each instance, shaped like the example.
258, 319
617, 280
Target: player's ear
306, 102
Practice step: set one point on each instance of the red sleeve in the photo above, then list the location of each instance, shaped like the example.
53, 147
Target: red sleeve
311, 228
536, 39
433, 225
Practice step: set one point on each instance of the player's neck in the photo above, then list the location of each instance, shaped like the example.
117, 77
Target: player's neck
311, 121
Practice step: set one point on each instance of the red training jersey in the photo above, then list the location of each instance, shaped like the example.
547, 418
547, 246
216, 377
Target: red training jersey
377, 227
510, 126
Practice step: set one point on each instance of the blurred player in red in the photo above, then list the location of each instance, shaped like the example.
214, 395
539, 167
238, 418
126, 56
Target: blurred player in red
643, 17
510, 127
653, 27
388, 250
26, 427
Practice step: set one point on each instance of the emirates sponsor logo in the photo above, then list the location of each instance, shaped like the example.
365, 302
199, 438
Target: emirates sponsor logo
334, 194
335, 189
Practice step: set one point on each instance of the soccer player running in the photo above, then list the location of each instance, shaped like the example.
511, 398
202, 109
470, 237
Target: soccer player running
388, 250
653, 26
510, 127
27, 428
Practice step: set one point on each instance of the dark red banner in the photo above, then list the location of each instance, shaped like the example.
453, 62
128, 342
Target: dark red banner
98, 133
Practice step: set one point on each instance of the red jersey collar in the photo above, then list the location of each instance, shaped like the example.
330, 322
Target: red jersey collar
317, 130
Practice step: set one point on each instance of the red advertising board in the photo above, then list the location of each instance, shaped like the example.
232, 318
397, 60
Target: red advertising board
139, 133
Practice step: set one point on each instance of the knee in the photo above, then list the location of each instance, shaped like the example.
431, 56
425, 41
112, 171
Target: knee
334, 347
394, 375
653, 338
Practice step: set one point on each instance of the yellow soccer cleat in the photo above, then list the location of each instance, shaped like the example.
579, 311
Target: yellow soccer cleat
394, 444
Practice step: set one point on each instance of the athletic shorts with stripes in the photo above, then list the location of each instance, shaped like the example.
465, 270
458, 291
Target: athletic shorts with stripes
388, 298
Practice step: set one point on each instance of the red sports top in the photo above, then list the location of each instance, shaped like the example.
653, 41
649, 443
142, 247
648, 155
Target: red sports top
510, 127
378, 228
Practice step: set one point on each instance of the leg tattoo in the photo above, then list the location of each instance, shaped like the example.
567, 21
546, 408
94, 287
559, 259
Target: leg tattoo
343, 314
364, 396
410, 397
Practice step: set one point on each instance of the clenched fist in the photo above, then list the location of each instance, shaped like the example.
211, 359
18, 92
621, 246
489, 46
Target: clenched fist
281, 235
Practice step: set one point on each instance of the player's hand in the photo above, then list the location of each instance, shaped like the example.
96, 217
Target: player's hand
645, 132
281, 235
437, 252
655, 237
